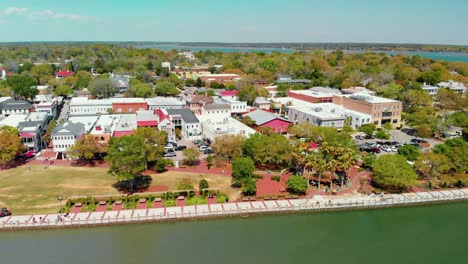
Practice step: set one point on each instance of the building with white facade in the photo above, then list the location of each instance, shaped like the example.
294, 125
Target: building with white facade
85, 106
47, 105
64, 137
457, 87
237, 107
187, 121
326, 114
32, 129
165, 103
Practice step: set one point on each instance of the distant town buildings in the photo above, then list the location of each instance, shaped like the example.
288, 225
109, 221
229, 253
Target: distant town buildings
457, 87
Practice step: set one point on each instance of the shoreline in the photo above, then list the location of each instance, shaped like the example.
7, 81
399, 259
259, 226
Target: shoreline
237, 209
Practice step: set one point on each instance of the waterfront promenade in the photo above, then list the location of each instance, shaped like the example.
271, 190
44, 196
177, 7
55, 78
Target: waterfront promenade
317, 203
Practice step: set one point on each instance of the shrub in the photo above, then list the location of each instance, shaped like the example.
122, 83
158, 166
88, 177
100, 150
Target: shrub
257, 176
276, 178
297, 184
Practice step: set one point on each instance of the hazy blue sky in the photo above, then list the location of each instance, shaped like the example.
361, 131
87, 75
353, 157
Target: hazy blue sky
397, 21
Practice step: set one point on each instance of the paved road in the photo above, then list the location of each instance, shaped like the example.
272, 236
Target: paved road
65, 109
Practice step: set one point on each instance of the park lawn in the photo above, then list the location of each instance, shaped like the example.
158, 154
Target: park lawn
221, 182
35, 190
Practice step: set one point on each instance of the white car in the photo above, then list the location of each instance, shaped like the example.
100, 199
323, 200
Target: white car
202, 148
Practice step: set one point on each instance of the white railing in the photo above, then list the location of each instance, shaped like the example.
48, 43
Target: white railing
331, 203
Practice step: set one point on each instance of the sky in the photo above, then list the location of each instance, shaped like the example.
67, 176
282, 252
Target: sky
366, 21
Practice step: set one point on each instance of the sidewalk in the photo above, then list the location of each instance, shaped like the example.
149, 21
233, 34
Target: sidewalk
317, 203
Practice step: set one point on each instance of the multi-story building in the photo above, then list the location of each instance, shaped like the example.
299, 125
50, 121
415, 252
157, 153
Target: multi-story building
381, 110
261, 103
32, 129
327, 115
85, 106
164, 103
237, 107
187, 122
10, 106
198, 102
128, 105
457, 87
312, 96
64, 136
47, 105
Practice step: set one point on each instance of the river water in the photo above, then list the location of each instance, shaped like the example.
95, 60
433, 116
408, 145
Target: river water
431, 234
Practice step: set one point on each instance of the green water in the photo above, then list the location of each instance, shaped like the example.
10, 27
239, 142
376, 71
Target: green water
434, 234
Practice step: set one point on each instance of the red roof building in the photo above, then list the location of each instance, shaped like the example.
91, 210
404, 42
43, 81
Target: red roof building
63, 74
228, 93
264, 118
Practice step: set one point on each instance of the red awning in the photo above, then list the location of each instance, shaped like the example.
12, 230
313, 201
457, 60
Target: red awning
152, 123
27, 135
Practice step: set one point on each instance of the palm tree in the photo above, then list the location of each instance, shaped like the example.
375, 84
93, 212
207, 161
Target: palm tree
316, 162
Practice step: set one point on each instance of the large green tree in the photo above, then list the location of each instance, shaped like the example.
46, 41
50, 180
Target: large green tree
393, 172
101, 88
297, 184
87, 148
191, 156
272, 149
10, 146
22, 86
228, 146
126, 157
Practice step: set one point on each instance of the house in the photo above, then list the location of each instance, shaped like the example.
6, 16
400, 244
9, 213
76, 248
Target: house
128, 105
188, 55
62, 74
381, 110
264, 118
232, 95
83, 93
261, 103
198, 102
121, 84
286, 79
160, 102
147, 119
64, 136
457, 87
10, 106
192, 72
32, 129
187, 122
85, 106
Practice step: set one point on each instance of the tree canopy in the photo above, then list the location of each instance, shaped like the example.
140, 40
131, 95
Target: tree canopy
126, 157
10, 146
393, 172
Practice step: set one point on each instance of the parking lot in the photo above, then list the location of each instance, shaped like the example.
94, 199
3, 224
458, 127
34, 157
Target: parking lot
189, 144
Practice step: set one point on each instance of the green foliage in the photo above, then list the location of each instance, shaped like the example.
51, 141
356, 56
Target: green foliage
203, 184
368, 160
382, 134
271, 149
126, 157
101, 88
161, 164
276, 178
22, 86
142, 90
10, 146
63, 90
394, 173
242, 168
410, 152
191, 156
368, 129
431, 77
185, 184
166, 88
87, 148
249, 186
297, 184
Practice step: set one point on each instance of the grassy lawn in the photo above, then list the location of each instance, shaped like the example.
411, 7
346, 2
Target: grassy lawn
172, 178
35, 190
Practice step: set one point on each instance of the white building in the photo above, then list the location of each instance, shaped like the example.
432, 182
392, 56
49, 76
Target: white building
65, 135
213, 128
237, 107
216, 111
187, 121
166, 64
164, 103
169, 127
457, 87
85, 106
188, 55
327, 114
47, 105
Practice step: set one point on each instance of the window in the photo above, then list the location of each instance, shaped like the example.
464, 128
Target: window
394, 121
376, 122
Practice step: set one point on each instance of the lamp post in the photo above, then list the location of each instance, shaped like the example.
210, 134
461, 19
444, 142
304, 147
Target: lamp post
60, 199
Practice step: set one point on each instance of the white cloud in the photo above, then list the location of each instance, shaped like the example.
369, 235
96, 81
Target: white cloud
14, 11
42, 14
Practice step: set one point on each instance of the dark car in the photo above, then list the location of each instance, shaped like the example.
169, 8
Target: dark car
170, 154
171, 143
181, 147
5, 212
208, 151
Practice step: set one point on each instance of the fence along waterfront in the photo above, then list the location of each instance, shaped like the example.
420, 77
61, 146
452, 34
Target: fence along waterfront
316, 203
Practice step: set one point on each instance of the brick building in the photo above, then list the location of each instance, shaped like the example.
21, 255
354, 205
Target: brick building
381, 110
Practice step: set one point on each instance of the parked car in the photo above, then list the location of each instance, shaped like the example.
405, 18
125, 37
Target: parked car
203, 147
181, 147
208, 151
172, 143
5, 212
360, 137
170, 154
